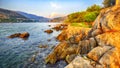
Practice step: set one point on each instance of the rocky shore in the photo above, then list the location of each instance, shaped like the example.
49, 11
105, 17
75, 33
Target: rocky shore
97, 47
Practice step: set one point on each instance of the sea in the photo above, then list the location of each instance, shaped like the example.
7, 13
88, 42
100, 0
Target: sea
21, 53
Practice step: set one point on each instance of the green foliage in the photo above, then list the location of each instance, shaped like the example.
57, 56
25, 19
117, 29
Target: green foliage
84, 16
94, 8
90, 16
108, 3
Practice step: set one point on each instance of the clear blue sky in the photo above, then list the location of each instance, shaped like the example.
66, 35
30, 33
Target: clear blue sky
48, 8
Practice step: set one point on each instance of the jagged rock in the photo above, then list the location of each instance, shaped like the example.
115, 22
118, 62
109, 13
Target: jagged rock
79, 62
49, 31
20, 35
96, 53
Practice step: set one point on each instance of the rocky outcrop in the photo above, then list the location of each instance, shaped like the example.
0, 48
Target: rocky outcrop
95, 48
75, 33
49, 31
60, 27
20, 35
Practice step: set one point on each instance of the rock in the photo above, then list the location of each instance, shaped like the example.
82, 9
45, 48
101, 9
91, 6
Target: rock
62, 36
69, 58
14, 35
49, 25
20, 35
60, 27
43, 46
24, 35
78, 32
79, 62
49, 31
96, 53
107, 21
105, 60
61, 51
100, 43
49, 40
33, 58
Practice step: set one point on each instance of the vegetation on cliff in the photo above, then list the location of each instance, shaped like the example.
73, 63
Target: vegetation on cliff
84, 16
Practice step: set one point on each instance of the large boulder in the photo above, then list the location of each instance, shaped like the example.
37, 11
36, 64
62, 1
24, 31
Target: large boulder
108, 20
79, 62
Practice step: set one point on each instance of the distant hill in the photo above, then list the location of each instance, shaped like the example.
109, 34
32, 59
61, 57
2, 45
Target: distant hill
11, 14
17, 16
58, 19
34, 17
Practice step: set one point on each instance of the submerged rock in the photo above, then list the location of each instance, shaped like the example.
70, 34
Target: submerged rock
49, 31
43, 46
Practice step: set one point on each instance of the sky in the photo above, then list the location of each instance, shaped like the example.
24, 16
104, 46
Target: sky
48, 8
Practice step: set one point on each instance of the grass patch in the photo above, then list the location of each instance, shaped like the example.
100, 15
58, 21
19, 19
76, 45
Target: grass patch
82, 24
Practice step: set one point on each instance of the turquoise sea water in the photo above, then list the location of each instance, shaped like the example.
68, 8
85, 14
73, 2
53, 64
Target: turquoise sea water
17, 53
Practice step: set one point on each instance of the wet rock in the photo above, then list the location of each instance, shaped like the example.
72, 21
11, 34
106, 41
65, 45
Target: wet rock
49, 31
20, 35
14, 35
96, 53
49, 40
43, 46
79, 62
33, 58
49, 25
24, 35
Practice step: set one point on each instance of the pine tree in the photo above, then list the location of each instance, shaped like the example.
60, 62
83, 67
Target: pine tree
108, 3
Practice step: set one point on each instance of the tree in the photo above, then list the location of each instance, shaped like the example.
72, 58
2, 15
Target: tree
93, 8
108, 3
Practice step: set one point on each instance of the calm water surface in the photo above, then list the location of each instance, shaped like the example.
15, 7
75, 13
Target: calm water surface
17, 53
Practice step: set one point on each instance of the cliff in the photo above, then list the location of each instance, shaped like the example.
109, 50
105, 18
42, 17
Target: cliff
98, 48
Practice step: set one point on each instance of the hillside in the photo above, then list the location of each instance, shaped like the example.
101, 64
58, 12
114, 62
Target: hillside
34, 17
11, 14
15, 16
58, 19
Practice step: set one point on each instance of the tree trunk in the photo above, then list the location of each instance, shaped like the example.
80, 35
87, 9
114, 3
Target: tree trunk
117, 2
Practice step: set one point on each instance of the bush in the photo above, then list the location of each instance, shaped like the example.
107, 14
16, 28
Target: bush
90, 16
